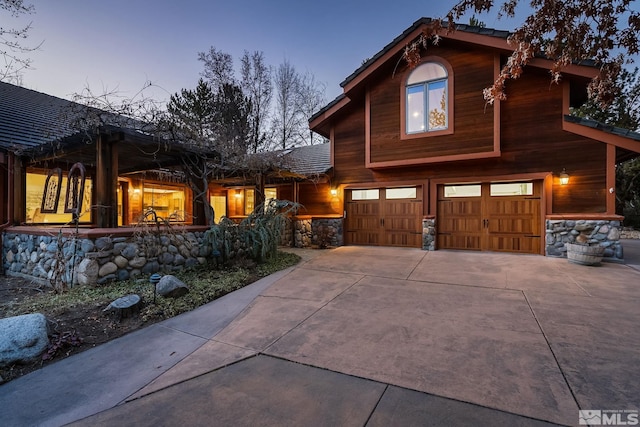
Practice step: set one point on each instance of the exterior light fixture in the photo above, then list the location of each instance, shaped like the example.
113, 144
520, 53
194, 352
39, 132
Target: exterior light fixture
334, 192
238, 195
564, 177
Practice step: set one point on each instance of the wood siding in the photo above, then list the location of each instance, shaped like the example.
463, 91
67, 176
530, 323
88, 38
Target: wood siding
473, 120
316, 199
532, 141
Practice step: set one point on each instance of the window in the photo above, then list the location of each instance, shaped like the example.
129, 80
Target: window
219, 205
270, 194
427, 99
512, 189
473, 190
250, 198
167, 201
373, 194
249, 201
401, 193
35, 188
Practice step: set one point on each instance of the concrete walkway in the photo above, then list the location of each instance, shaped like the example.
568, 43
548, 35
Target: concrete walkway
366, 336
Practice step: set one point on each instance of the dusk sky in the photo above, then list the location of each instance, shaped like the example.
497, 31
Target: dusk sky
119, 45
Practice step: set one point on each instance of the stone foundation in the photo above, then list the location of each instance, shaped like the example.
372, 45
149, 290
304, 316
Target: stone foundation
89, 261
605, 233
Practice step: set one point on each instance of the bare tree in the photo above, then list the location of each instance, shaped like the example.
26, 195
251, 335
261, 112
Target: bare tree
218, 67
257, 86
11, 41
286, 118
311, 98
567, 32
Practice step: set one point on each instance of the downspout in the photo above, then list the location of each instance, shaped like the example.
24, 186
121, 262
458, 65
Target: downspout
10, 198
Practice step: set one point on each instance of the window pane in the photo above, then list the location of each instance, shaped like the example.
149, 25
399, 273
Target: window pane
35, 188
512, 189
426, 72
415, 109
401, 193
270, 194
166, 201
437, 105
249, 201
473, 190
373, 194
219, 205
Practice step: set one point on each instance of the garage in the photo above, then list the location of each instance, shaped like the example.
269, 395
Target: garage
384, 216
502, 216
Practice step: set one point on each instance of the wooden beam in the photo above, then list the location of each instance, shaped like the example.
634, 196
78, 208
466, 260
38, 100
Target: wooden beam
611, 179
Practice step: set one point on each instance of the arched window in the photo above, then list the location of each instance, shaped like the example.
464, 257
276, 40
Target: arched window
427, 99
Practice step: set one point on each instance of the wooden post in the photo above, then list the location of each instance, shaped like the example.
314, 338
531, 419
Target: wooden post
106, 182
19, 190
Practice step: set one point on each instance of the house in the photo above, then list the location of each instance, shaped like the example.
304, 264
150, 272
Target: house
80, 182
421, 160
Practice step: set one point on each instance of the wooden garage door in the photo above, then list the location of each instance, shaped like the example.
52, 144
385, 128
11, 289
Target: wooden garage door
490, 216
384, 217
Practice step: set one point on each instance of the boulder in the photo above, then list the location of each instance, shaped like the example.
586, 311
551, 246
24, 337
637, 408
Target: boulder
171, 287
125, 306
87, 271
22, 338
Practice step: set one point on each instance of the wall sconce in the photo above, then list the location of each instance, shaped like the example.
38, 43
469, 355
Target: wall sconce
238, 195
334, 192
136, 191
564, 177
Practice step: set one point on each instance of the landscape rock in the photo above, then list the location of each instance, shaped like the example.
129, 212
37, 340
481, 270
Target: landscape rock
125, 306
171, 287
107, 268
22, 338
87, 271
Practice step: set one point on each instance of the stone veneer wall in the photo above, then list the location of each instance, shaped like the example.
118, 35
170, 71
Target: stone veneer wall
308, 232
327, 229
429, 234
605, 233
99, 260
102, 259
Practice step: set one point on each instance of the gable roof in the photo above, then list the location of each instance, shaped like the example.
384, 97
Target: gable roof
479, 36
417, 27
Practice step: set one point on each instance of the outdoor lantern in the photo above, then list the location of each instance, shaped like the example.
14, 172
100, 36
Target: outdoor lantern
564, 177
334, 192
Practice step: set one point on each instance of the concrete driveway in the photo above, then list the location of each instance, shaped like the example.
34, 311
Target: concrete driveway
368, 336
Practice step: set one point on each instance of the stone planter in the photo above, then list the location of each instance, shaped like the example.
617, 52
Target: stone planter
584, 254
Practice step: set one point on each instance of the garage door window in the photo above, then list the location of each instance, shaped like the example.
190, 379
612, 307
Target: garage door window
401, 193
512, 189
473, 190
372, 194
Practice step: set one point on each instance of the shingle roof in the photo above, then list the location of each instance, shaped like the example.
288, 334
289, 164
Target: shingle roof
29, 118
603, 127
308, 160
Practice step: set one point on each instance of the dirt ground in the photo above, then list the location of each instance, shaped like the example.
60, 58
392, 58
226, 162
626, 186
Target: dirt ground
88, 323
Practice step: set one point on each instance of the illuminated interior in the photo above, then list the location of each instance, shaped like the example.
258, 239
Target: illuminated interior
168, 202
35, 189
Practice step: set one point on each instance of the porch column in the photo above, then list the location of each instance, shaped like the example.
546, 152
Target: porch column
19, 189
106, 182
